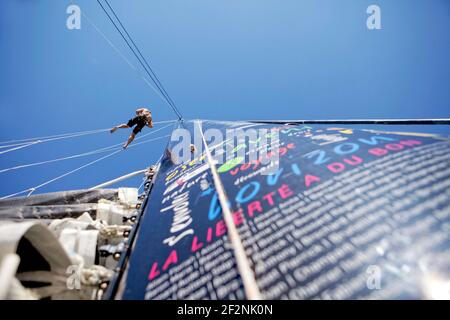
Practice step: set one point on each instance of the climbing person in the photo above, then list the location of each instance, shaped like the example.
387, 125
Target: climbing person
150, 172
143, 118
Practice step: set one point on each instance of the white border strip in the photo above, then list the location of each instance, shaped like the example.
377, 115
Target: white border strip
248, 277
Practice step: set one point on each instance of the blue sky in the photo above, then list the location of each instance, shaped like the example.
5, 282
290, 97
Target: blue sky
218, 59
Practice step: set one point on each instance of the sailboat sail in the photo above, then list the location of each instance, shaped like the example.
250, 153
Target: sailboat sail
344, 213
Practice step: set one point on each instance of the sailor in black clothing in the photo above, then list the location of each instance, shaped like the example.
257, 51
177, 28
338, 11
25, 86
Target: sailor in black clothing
143, 118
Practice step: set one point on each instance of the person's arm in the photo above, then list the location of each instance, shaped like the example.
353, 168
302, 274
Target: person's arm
149, 121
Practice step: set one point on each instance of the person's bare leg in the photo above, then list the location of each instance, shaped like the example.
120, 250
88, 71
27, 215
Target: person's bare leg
120, 126
130, 139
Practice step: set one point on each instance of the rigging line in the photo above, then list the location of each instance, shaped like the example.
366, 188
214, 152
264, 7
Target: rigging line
20, 147
16, 194
56, 137
140, 61
247, 275
153, 75
137, 57
443, 121
77, 155
25, 140
142, 56
84, 154
32, 189
13, 145
69, 135
96, 28
165, 121
158, 83
147, 141
119, 179
124, 177
142, 183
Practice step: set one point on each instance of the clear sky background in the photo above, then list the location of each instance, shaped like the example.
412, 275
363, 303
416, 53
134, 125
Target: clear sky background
218, 59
